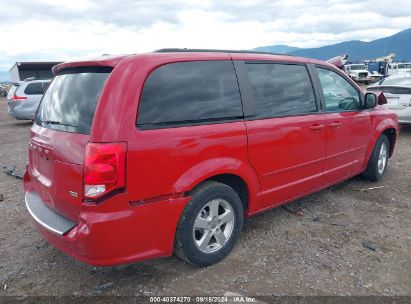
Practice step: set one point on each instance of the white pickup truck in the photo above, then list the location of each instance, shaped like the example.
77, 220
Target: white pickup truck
358, 72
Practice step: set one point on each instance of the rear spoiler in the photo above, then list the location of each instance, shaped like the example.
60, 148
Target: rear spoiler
104, 61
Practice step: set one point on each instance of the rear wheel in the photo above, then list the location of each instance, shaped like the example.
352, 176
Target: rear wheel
378, 161
210, 224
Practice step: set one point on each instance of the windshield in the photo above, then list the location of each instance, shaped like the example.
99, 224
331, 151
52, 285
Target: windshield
71, 99
404, 66
358, 67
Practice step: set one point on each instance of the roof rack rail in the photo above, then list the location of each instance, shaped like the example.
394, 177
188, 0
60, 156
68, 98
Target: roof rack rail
183, 50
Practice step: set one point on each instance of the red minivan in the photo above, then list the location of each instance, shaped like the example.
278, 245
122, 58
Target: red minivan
136, 157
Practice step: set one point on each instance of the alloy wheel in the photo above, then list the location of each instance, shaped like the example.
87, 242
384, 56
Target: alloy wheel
213, 226
382, 158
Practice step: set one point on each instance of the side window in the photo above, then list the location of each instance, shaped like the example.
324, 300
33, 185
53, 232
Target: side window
339, 94
190, 92
35, 88
281, 89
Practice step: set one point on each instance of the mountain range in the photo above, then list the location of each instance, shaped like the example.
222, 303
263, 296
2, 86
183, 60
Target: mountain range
278, 49
400, 44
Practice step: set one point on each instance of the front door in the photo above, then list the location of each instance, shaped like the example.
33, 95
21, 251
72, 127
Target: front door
348, 126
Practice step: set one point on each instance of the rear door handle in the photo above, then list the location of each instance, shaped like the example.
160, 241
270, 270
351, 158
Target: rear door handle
316, 127
335, 124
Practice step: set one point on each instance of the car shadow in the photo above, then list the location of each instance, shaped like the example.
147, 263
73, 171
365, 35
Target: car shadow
405, 128
18, 124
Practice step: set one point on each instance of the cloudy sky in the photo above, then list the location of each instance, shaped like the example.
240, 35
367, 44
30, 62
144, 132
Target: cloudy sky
69, 29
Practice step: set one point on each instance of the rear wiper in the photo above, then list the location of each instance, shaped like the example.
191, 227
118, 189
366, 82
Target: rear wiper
54, 122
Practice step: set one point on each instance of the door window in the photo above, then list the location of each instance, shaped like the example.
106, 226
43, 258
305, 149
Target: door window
281, 89
339, 94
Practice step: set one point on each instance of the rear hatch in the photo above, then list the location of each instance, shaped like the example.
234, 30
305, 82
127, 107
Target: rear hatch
60, 134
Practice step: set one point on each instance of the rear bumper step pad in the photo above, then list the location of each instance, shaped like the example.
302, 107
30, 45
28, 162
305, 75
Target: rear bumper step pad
46, 217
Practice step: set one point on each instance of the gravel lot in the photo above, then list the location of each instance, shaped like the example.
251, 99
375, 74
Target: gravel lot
320, 252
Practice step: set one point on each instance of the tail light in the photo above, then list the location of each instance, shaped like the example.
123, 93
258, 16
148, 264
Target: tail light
17, 98
104, 168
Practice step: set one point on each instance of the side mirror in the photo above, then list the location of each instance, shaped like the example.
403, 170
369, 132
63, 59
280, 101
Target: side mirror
370, 100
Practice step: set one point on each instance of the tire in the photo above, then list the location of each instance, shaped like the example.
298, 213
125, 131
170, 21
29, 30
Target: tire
206, 246
377, 166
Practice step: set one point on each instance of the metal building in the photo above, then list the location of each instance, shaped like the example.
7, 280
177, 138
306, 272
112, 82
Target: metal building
39, 70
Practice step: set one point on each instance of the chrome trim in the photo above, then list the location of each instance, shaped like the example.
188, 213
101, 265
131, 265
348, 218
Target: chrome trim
73, 193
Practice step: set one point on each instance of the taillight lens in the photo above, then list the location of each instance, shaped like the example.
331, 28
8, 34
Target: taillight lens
104, 168
17, 98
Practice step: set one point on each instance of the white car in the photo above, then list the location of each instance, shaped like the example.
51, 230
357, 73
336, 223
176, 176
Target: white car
397, 90
24, 97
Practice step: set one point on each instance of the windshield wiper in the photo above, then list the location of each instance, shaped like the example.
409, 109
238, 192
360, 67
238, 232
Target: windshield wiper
54, 122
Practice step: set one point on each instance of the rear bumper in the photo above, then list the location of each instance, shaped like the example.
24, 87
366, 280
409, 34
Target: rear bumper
404, 115
113, 232
21, 115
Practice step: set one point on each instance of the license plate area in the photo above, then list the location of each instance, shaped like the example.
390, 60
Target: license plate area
42, 160
392, 101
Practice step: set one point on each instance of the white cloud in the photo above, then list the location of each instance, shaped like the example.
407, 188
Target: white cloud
69, 4
62, 30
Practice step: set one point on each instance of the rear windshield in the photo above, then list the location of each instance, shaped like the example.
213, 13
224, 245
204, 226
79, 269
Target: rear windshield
70, 101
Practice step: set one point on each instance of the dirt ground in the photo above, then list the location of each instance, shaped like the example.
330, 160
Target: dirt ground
321, 252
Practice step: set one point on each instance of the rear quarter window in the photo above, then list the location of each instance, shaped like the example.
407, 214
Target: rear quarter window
190, 93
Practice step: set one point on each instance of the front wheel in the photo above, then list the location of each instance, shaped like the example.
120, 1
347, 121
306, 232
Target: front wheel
210, 225
377, 164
